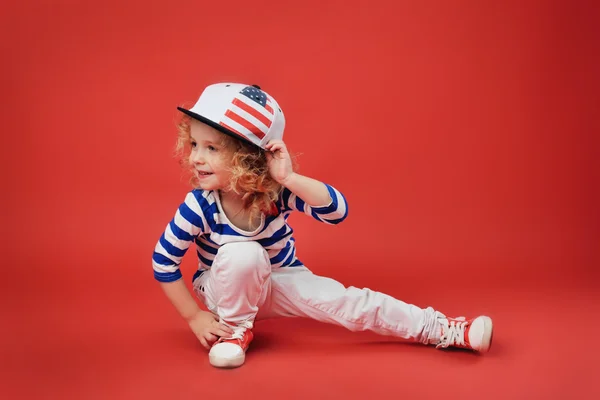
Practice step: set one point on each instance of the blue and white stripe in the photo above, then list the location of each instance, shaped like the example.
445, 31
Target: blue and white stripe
198, 219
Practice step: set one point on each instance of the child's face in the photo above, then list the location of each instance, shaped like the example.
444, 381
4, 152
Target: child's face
209, 157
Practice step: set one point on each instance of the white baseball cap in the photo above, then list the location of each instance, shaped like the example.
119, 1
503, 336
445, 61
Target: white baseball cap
245, 112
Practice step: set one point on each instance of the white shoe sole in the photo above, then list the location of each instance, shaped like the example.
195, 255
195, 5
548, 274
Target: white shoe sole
488, 334
222, 362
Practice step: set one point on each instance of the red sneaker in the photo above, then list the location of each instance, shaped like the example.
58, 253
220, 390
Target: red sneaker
473, 334
230, 352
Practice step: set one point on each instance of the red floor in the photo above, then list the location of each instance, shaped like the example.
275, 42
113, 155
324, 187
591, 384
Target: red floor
94, 338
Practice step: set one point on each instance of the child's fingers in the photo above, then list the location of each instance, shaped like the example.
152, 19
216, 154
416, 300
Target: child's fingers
217, 326
203, 342
223, 332
274, 144
278, 147
210, 338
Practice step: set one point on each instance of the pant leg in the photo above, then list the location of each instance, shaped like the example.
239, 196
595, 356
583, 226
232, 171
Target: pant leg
237, 284
297, 292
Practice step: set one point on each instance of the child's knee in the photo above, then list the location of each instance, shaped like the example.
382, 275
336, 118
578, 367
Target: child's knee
242, 258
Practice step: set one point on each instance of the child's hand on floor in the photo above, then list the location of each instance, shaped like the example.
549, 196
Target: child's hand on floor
207, 328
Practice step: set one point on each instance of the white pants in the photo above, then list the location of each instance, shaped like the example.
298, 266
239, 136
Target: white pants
241, 288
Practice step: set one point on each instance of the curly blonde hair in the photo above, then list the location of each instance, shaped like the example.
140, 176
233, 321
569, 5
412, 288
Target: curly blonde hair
250, 177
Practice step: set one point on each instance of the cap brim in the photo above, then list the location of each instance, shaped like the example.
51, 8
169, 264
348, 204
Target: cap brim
213, 124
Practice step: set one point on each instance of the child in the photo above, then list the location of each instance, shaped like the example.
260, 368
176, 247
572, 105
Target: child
245, 189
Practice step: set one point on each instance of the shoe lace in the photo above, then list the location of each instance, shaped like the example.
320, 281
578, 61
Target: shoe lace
238, 334
453, 332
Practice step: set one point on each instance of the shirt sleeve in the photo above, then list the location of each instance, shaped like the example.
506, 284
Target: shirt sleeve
332, 213
187, 224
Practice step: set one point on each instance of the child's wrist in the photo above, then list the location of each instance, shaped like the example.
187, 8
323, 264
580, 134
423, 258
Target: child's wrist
288, 180
191, 316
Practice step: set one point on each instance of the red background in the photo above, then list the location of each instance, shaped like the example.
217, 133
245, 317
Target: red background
463, 134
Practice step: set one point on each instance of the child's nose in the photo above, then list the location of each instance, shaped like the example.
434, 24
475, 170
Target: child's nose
198, 159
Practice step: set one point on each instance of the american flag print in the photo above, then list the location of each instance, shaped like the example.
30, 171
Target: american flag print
250, 114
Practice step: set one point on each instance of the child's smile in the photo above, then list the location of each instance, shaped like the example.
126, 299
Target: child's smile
202, 174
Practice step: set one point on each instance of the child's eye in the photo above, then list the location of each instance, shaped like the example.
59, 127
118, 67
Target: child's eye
193, 144
212, 148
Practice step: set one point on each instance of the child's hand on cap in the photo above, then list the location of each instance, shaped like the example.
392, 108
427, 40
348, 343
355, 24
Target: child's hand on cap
279, 160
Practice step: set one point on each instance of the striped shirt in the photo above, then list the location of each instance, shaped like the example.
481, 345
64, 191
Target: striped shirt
200, 219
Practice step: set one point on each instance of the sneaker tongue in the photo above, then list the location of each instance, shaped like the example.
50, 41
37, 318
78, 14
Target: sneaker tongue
239, 330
